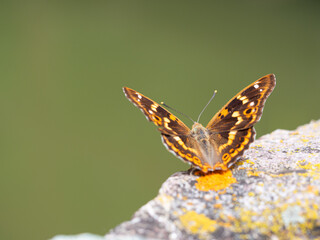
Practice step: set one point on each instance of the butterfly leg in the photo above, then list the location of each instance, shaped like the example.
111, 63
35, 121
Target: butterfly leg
192, 170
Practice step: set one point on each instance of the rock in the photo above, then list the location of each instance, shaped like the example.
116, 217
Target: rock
272, 193
82, 236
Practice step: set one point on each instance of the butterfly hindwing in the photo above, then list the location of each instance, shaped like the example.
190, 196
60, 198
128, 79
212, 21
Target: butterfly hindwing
231, 145
183, 148
245, 109
167, 122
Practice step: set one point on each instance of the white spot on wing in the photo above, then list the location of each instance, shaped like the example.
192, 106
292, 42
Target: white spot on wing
144, 113
154, 107
232, 132
139, 96
235, 114
240, 120
256, 86
150, 112
177, 138
252, 104
124, 91
260, 90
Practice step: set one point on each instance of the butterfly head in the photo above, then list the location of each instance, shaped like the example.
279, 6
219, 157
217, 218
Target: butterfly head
199, 131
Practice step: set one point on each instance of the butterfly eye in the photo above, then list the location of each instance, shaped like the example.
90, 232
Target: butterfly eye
238, 145
231, 151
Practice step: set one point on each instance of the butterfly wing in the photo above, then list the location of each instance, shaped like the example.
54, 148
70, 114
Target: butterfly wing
231, 129
184, 148
229, 146
245, 109
174, 133
167, 122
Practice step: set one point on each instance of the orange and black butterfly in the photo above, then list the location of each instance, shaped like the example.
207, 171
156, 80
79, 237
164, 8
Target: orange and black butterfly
222, 142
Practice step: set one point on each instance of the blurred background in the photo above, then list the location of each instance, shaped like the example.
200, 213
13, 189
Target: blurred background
76, 155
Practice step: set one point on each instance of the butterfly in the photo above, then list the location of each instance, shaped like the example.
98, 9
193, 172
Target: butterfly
223, 141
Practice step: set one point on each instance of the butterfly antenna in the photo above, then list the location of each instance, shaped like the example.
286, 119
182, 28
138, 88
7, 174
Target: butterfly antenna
215, 91
165, 105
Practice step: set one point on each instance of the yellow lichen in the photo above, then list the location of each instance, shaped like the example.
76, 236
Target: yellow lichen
249, 161
281, 174
274, 222
308, 166
313, 169
241, 168
217, 180
311, 216
257, 146
253, 173
198, 224
164, 198
218, 205
293, 133
251, 194
239, 163
248, 222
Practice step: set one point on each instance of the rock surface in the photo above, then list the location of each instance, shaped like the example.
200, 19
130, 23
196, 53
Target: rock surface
272, 193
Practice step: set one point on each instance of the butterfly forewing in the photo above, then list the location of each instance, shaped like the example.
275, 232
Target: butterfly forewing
167, 122
245, 109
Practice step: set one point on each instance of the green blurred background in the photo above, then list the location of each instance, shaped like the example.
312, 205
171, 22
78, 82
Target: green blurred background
76, 155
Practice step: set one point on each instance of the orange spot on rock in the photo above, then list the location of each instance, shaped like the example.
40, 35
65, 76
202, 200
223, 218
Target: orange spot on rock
218, 205
217, 180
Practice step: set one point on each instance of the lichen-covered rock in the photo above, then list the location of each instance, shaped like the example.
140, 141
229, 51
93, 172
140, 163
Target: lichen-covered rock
272, 193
